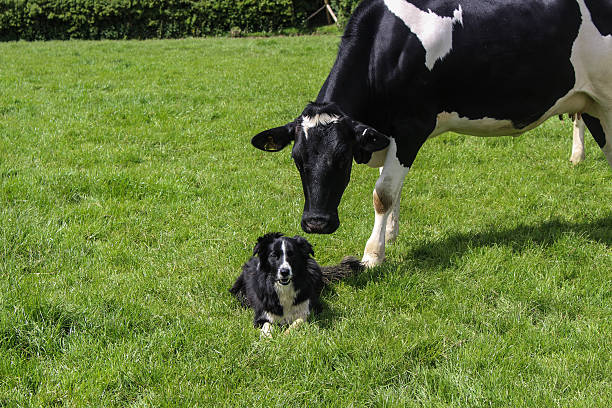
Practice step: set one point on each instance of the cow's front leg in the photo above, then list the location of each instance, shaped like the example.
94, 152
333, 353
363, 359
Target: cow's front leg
392, 229
386, 198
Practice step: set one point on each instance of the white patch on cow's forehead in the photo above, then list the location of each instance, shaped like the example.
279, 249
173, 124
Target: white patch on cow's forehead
308, 122
434, 32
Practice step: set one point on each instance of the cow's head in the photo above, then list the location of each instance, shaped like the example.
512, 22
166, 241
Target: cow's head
326, 141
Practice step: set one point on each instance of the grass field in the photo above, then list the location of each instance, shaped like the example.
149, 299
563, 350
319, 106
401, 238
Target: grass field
130, 197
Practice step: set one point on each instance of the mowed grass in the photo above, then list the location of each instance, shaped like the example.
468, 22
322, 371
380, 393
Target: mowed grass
130, 197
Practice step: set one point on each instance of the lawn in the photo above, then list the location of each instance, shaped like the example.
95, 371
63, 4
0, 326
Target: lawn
130, 197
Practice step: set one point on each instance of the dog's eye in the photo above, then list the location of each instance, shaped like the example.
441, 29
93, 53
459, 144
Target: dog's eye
272, 255
289, 253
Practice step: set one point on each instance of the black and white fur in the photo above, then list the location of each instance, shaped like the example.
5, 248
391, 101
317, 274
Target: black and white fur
283, 283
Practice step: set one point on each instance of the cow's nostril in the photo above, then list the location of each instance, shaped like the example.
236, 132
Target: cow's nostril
316, 225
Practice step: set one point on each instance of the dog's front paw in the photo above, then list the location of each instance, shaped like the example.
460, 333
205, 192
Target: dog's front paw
294, 325
266, 331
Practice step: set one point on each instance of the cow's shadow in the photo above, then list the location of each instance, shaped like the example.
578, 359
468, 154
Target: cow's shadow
441, 253
436, 254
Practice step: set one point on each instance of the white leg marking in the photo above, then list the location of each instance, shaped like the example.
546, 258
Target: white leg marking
266, 330
294, 325
578, 144
392, 230
386, 193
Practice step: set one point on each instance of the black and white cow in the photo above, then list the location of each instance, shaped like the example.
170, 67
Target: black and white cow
407, 71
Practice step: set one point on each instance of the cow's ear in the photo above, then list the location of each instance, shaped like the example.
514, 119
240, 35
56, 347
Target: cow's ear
274, 140
370, 139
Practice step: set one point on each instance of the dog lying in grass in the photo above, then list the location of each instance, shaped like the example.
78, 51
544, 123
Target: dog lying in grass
282, 282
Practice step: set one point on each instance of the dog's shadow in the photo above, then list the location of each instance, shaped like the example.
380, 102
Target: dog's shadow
436, 254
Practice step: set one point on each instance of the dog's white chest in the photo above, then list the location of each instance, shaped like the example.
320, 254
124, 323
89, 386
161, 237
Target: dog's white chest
286, 296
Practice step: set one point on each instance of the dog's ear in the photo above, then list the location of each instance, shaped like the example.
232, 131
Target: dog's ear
304, 245
263, 242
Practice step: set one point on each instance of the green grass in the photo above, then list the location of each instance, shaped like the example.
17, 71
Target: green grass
130, 197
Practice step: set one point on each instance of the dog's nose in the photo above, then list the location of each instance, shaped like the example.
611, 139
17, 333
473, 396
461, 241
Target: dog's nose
284, 272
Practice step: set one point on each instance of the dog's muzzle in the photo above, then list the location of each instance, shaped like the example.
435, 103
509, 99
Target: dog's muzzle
284, 276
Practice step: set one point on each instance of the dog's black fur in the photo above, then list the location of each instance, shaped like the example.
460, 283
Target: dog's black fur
263, 282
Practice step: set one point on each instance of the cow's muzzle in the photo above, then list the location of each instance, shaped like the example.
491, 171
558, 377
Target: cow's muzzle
320, 224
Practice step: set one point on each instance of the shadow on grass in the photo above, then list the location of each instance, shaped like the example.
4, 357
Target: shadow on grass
439, 254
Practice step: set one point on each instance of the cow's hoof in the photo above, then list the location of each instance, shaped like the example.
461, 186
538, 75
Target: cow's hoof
370, 261
576, 160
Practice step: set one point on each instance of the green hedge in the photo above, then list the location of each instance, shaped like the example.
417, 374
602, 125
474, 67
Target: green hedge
114, 19
95, 19
343, 8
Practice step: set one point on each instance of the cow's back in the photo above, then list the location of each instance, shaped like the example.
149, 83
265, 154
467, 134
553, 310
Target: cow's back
501, 59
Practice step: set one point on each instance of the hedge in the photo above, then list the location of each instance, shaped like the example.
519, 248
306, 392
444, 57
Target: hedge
344, 8
114, 19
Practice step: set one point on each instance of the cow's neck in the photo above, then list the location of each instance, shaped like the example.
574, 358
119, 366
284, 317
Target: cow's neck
348, 84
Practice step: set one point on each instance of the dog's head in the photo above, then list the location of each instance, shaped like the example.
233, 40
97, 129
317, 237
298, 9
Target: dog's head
283, 258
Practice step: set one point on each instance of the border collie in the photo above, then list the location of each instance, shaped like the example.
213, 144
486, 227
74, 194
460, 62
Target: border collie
282, 282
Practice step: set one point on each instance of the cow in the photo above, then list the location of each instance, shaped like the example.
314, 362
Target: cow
409, 70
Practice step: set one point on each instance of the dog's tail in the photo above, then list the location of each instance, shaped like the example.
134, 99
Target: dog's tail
349, 266
239, 291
